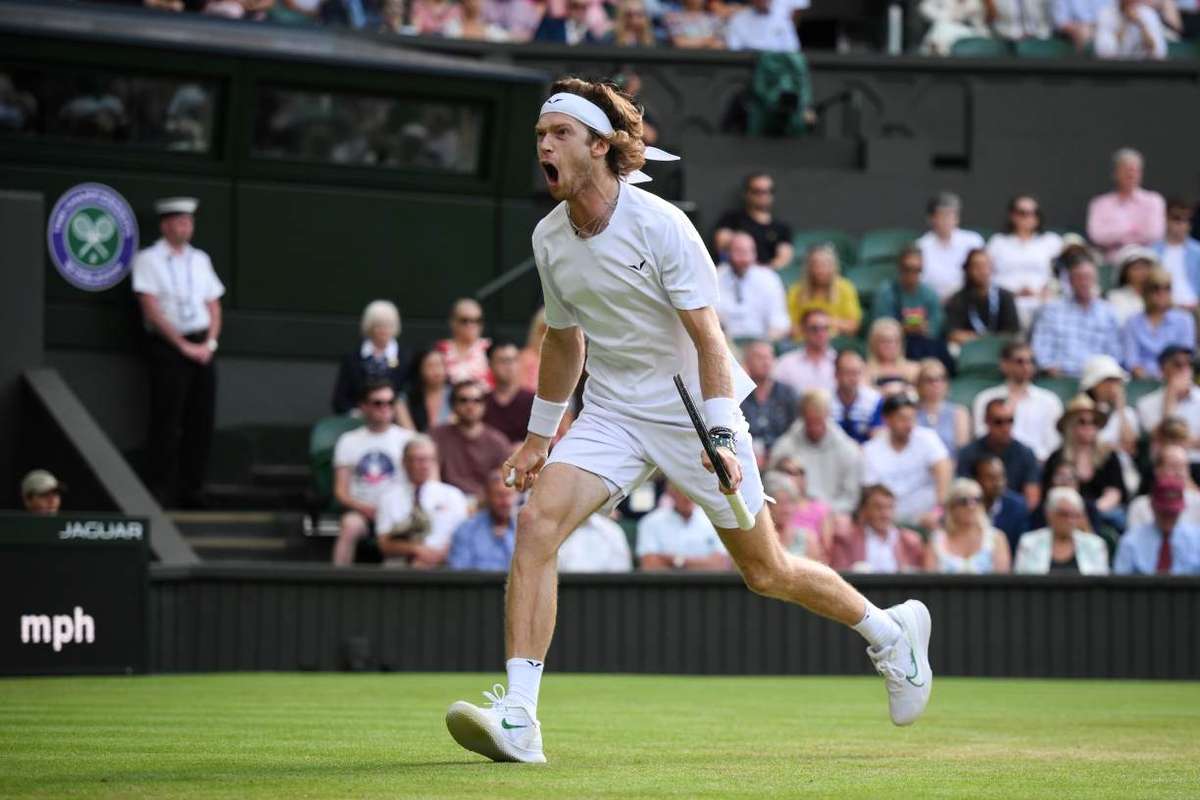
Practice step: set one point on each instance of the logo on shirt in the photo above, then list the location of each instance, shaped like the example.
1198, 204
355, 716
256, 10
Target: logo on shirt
375, 468
92, 235
637, 267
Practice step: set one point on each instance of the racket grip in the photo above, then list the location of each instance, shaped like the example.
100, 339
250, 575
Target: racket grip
745, 519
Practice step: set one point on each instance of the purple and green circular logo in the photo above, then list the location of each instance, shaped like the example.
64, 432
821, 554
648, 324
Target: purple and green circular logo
93, 236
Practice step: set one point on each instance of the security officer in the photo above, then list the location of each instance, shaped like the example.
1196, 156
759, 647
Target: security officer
180, 296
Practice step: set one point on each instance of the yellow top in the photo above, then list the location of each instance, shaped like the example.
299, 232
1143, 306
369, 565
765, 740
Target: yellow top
843, 305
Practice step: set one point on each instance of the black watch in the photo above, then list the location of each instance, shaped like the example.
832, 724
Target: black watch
723, 437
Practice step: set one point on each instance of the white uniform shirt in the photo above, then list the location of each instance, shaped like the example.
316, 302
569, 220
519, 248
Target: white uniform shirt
374, 459
665, 532
1035, 418
624, 288
774, 31
752, 306
598, 545
1150, 410
907, 471
445, 506
943, 263
184, 283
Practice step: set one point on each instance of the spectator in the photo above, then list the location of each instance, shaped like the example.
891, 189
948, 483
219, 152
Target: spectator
1063, 476
436, 18
428, 393
1070, 329
967, 543
855, 406
802, 523
180, 298
874, 543
466, 350
910, 461
1159, 326
366, 462
752, 302
1179, 254
981, 307
1171, 432
255, 10
378, 357
1178, 397
823, 287
42, 493
508, 405
1063, 547
632, 27
598, 545
1020, 464
765, 25
1014, 20
831, 459
1037, 410
1135, 264
810, 366
885, 354
677, 535
416, 519
1170, 460
1104, 381
1189, 19
519, 18
772, 237
771, 408
574, 22
485, 541
1076, 20
949, 21
944, 246
1100, 477
469, 449
693, 27
1130, 29
1167, 546
1130, 214
475, 26
911, 303
531, 353
948, 420
1006, 509
1023, 256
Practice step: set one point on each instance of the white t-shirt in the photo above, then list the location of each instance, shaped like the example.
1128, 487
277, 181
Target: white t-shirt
445, 506
1110, 434
1174, 261
375, 460
906, 472
752, 306
1150, 410
1035, 418
184, 283
1024, 263
624, 287
665, 532
943, 263
771, 32
598, 545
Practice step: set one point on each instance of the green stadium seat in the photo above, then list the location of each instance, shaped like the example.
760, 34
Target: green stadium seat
869, 277
845, 245
844, 342
981, 357
884, 244
980, 47
790, 274
1065, 388
321, 442
1044, 48
986, 233
964, 388
1137, 389
1183, 50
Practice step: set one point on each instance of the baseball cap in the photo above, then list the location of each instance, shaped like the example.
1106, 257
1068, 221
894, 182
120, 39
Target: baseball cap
1167, 497
1173, 350
39, 481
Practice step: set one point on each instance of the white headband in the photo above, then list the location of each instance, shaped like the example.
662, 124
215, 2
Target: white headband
593, 116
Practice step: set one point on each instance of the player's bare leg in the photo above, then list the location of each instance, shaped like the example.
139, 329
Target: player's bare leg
899, 637
509, 731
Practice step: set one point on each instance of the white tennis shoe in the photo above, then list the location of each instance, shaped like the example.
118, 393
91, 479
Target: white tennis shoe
904, 664
507, 731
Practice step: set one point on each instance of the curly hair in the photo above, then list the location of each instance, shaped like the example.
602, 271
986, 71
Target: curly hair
626, 151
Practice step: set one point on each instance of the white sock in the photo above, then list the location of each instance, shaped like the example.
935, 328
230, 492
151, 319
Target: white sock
877, 627
524, 680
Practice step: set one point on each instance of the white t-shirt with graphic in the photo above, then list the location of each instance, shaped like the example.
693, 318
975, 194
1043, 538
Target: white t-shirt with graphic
375, 460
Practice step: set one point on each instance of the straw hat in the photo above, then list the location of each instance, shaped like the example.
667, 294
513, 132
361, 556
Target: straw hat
1081, 404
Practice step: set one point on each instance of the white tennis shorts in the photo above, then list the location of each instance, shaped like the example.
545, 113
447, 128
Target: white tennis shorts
625, 452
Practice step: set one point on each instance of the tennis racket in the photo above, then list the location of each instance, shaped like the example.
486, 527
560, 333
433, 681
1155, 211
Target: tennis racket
744, 518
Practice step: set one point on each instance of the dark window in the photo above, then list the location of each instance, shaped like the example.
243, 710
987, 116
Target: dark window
367, 131
86, 105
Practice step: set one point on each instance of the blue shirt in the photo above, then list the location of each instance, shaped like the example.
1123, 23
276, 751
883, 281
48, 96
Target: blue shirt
1137, 553
476, 546
862, 416
1065, 11
1142, 343
1066, 334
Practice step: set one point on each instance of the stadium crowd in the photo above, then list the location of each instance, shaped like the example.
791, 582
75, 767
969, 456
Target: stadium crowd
1139, 29
872, 465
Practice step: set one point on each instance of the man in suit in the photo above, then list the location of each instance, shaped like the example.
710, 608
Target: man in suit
1006, 508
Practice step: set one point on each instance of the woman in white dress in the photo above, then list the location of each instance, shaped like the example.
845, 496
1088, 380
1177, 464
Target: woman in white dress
1023, 256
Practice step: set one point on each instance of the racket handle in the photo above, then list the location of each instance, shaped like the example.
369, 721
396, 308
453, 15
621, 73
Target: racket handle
745, 519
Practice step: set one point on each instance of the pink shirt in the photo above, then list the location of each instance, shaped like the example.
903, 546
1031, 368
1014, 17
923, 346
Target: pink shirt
472, 365
800, 372
1114, 221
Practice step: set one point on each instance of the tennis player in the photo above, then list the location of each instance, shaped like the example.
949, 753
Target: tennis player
629, 272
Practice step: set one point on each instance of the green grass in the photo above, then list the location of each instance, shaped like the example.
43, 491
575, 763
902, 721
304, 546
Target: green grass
381, 736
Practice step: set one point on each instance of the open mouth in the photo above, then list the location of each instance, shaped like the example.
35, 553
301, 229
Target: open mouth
551, 172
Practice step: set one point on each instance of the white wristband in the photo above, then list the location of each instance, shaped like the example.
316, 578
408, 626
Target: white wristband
545, 417
720, 412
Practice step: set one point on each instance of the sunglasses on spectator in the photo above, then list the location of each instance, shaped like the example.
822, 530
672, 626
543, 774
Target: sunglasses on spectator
816, 328
1179, 218
380, 403
1000, 421
469, 320
469, 398
966, 501
1086, 421
1160, 287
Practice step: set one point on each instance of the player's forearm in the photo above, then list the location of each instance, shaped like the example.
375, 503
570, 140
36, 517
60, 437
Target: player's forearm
152, 311
561, 363
704, 328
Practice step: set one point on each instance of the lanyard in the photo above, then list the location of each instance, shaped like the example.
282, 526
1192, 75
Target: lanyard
978, 325
183, 301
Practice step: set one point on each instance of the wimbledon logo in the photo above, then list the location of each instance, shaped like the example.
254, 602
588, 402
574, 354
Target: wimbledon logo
93, 236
